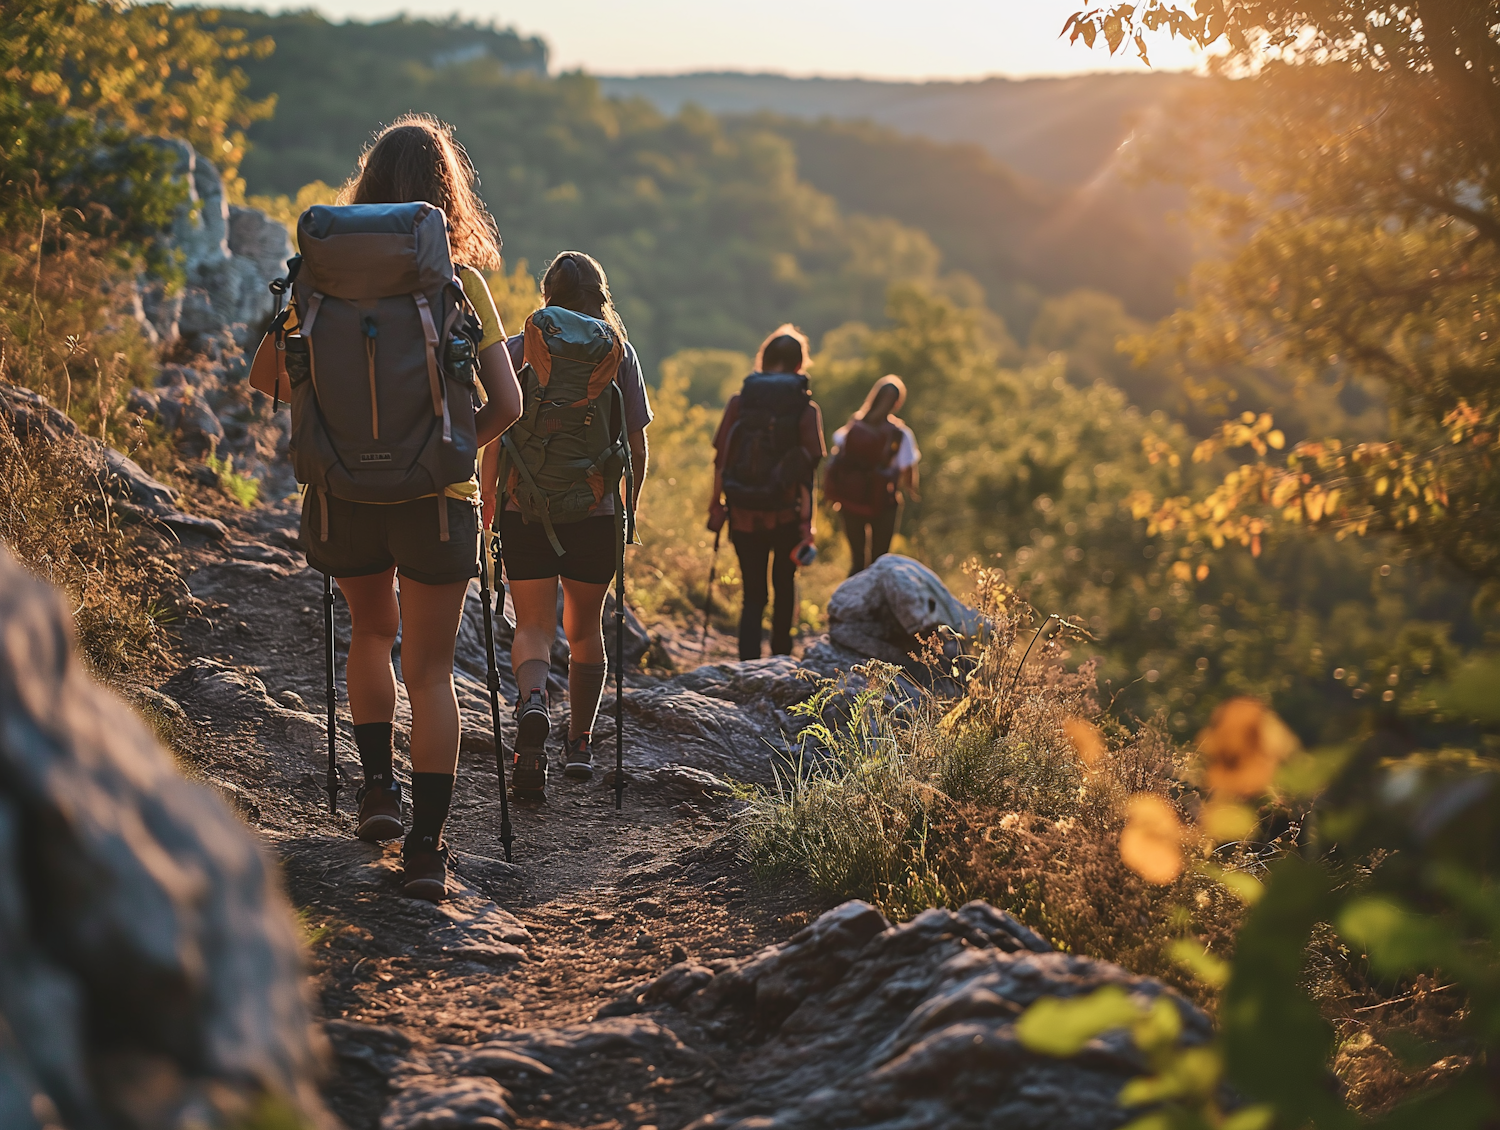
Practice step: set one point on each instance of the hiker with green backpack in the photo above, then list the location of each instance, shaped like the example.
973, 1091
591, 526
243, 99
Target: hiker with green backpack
390, 324
569, 474
766, 451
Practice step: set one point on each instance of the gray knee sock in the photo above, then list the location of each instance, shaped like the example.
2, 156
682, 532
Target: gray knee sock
531, 675
585, 687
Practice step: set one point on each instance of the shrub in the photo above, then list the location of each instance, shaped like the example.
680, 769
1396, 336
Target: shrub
1016, 793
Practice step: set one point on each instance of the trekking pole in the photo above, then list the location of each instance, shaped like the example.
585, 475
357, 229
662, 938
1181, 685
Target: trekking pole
493, 680
708, 601
332, 783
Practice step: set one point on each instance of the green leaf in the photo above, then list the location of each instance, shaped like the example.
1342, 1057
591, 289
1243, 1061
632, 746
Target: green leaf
1192, 1073
1245, 887
1400, 940
1204, 966
1276, 1042
1307, 773
1058, 1027
1250, 1118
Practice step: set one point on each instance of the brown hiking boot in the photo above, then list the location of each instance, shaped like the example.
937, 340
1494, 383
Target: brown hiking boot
379, 811
426, 870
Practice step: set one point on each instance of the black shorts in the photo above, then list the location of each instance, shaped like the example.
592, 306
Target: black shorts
588, 549
365, 538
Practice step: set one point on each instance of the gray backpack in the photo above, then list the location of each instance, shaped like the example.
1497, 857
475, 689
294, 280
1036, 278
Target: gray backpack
381, 362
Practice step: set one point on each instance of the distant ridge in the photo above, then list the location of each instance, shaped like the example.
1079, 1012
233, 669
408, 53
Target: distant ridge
1059, 130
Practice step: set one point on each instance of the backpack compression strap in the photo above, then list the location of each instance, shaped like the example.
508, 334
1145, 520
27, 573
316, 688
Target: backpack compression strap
434, 376
525, 472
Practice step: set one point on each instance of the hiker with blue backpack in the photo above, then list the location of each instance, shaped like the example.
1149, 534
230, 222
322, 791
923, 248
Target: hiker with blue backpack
390, 342
766, 451
569, 474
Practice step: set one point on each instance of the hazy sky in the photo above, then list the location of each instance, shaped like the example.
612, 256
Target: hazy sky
873, 38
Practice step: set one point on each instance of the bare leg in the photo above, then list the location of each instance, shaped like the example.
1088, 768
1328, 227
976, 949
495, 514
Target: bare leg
429, 620
583, 604
375, 618
536, 620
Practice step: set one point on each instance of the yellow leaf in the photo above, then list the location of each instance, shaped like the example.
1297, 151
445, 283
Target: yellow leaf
1086, 739
1244, 744
1276, 438
1151, 843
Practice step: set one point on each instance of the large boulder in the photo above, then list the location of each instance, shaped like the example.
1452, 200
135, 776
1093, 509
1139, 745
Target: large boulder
881, 612
150, 968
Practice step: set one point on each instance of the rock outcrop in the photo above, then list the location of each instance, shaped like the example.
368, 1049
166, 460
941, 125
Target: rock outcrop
150, 971
852, 1023
229, 254
210, 322
134, 494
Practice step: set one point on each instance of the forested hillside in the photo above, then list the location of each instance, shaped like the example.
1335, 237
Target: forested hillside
710, 227
1061, 131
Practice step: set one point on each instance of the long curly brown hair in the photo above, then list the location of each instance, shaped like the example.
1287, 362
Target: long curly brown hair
417, 157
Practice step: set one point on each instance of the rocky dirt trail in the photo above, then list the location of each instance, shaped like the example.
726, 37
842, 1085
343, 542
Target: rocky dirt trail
625, 970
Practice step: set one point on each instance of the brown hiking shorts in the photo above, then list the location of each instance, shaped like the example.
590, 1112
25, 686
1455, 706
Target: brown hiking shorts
364, 538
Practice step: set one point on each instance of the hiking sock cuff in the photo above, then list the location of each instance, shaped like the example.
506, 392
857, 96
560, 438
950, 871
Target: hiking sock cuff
531, 675
431, 796
375, 741
585, 688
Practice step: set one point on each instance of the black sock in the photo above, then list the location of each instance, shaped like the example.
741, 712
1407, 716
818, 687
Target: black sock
431, 794
374, 741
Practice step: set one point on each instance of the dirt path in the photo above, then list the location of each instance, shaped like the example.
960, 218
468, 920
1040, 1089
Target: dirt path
597, 903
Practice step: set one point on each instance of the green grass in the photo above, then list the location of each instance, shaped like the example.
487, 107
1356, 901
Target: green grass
244, 489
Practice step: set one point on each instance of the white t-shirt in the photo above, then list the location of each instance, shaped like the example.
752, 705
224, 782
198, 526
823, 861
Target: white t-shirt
907, 455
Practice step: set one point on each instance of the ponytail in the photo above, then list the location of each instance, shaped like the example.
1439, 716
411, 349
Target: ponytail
576, 281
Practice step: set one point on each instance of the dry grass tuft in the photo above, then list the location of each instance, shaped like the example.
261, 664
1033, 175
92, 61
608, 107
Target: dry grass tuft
59, 524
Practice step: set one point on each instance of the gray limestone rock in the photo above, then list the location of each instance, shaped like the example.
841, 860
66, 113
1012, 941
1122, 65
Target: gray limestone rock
229, 255
913, 1026
880, 612
148, 961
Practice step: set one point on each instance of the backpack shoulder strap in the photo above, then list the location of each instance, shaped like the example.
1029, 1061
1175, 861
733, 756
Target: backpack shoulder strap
535, 352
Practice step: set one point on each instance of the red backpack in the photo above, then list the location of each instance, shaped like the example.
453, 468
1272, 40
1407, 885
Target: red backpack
860, 478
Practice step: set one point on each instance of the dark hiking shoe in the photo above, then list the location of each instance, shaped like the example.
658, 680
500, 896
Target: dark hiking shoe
426, 875
533, 726
379, 811
528, 779
578, 757
533, 723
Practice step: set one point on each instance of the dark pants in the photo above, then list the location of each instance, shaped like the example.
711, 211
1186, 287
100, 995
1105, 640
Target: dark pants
753, 547
873, 534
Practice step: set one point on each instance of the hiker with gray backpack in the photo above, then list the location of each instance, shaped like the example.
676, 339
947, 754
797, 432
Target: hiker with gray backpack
568, 479
766, 451
389, 330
